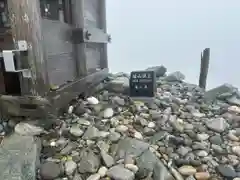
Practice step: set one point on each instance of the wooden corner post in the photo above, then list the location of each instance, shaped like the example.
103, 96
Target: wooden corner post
205, 57
25, 19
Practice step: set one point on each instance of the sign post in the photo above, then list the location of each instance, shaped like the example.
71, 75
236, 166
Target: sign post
142, 84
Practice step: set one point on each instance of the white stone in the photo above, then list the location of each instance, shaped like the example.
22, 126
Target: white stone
70, 109
70, 167
94, 177
138, 135
236, 150
90, 142
102, 171
121, 128
132, 167
108, 113
202, 137
198, 114
234, 109
76, 131
202, 153
92, 100
53, 144
151, 125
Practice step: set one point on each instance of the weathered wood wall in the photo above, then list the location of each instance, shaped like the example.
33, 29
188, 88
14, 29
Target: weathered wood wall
25, 18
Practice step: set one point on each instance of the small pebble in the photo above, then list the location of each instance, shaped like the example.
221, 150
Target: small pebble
132, 167
92, 100
102, 171
202, 175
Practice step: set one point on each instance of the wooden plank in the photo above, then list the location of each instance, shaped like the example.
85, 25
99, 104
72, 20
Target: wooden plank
24, 106
25, 22
64, 95
205, 56
59, 51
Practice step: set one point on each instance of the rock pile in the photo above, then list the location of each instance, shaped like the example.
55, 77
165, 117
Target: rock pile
184, 133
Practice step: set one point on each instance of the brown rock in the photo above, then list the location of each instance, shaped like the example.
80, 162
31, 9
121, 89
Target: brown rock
202, 175
187, 170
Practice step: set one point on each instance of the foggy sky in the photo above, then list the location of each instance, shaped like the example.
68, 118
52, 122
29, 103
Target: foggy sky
173, 33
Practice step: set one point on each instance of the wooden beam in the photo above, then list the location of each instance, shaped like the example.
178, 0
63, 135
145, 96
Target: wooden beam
103, 22
205, 57
25, 19
78, 22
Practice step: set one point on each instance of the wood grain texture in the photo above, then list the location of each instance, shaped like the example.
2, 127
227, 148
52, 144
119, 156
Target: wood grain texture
60, 52
25, 18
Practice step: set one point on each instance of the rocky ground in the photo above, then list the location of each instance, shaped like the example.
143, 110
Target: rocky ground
184, 133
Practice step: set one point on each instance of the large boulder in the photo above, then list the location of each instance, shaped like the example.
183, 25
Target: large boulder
19, 157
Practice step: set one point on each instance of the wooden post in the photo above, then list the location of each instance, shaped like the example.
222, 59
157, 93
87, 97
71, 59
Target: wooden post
103, 22
25, 19
205, 56
78, 22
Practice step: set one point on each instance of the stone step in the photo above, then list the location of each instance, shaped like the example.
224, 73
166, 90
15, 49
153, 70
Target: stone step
19, 157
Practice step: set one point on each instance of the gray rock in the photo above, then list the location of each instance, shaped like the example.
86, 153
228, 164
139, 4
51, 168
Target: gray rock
237, 132
19, 157
76, 131
216, 140
160, 172
114, 136
27, 129
107, 159
89, 163
218, 149
200, 146
103, 146
183, 150
227, 171
120, 173
129, 146
176, 76
70, 167
77, 177
215, 92
108, 113
234, 100
158, 137
202, 153
146, 163
159, 70
80, 109
119, 101
91, 134
68, 148
218, 125
1, 128
82, 121
118, 85
50, 170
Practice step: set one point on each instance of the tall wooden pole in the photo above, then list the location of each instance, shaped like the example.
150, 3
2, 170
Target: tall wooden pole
205, 57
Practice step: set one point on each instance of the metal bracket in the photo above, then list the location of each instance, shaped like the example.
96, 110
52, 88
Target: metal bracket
90, 35
9, 61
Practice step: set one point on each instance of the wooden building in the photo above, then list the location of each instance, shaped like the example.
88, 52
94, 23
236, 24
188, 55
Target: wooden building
51, 52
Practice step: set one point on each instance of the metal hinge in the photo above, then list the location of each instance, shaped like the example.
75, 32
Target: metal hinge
9, 59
